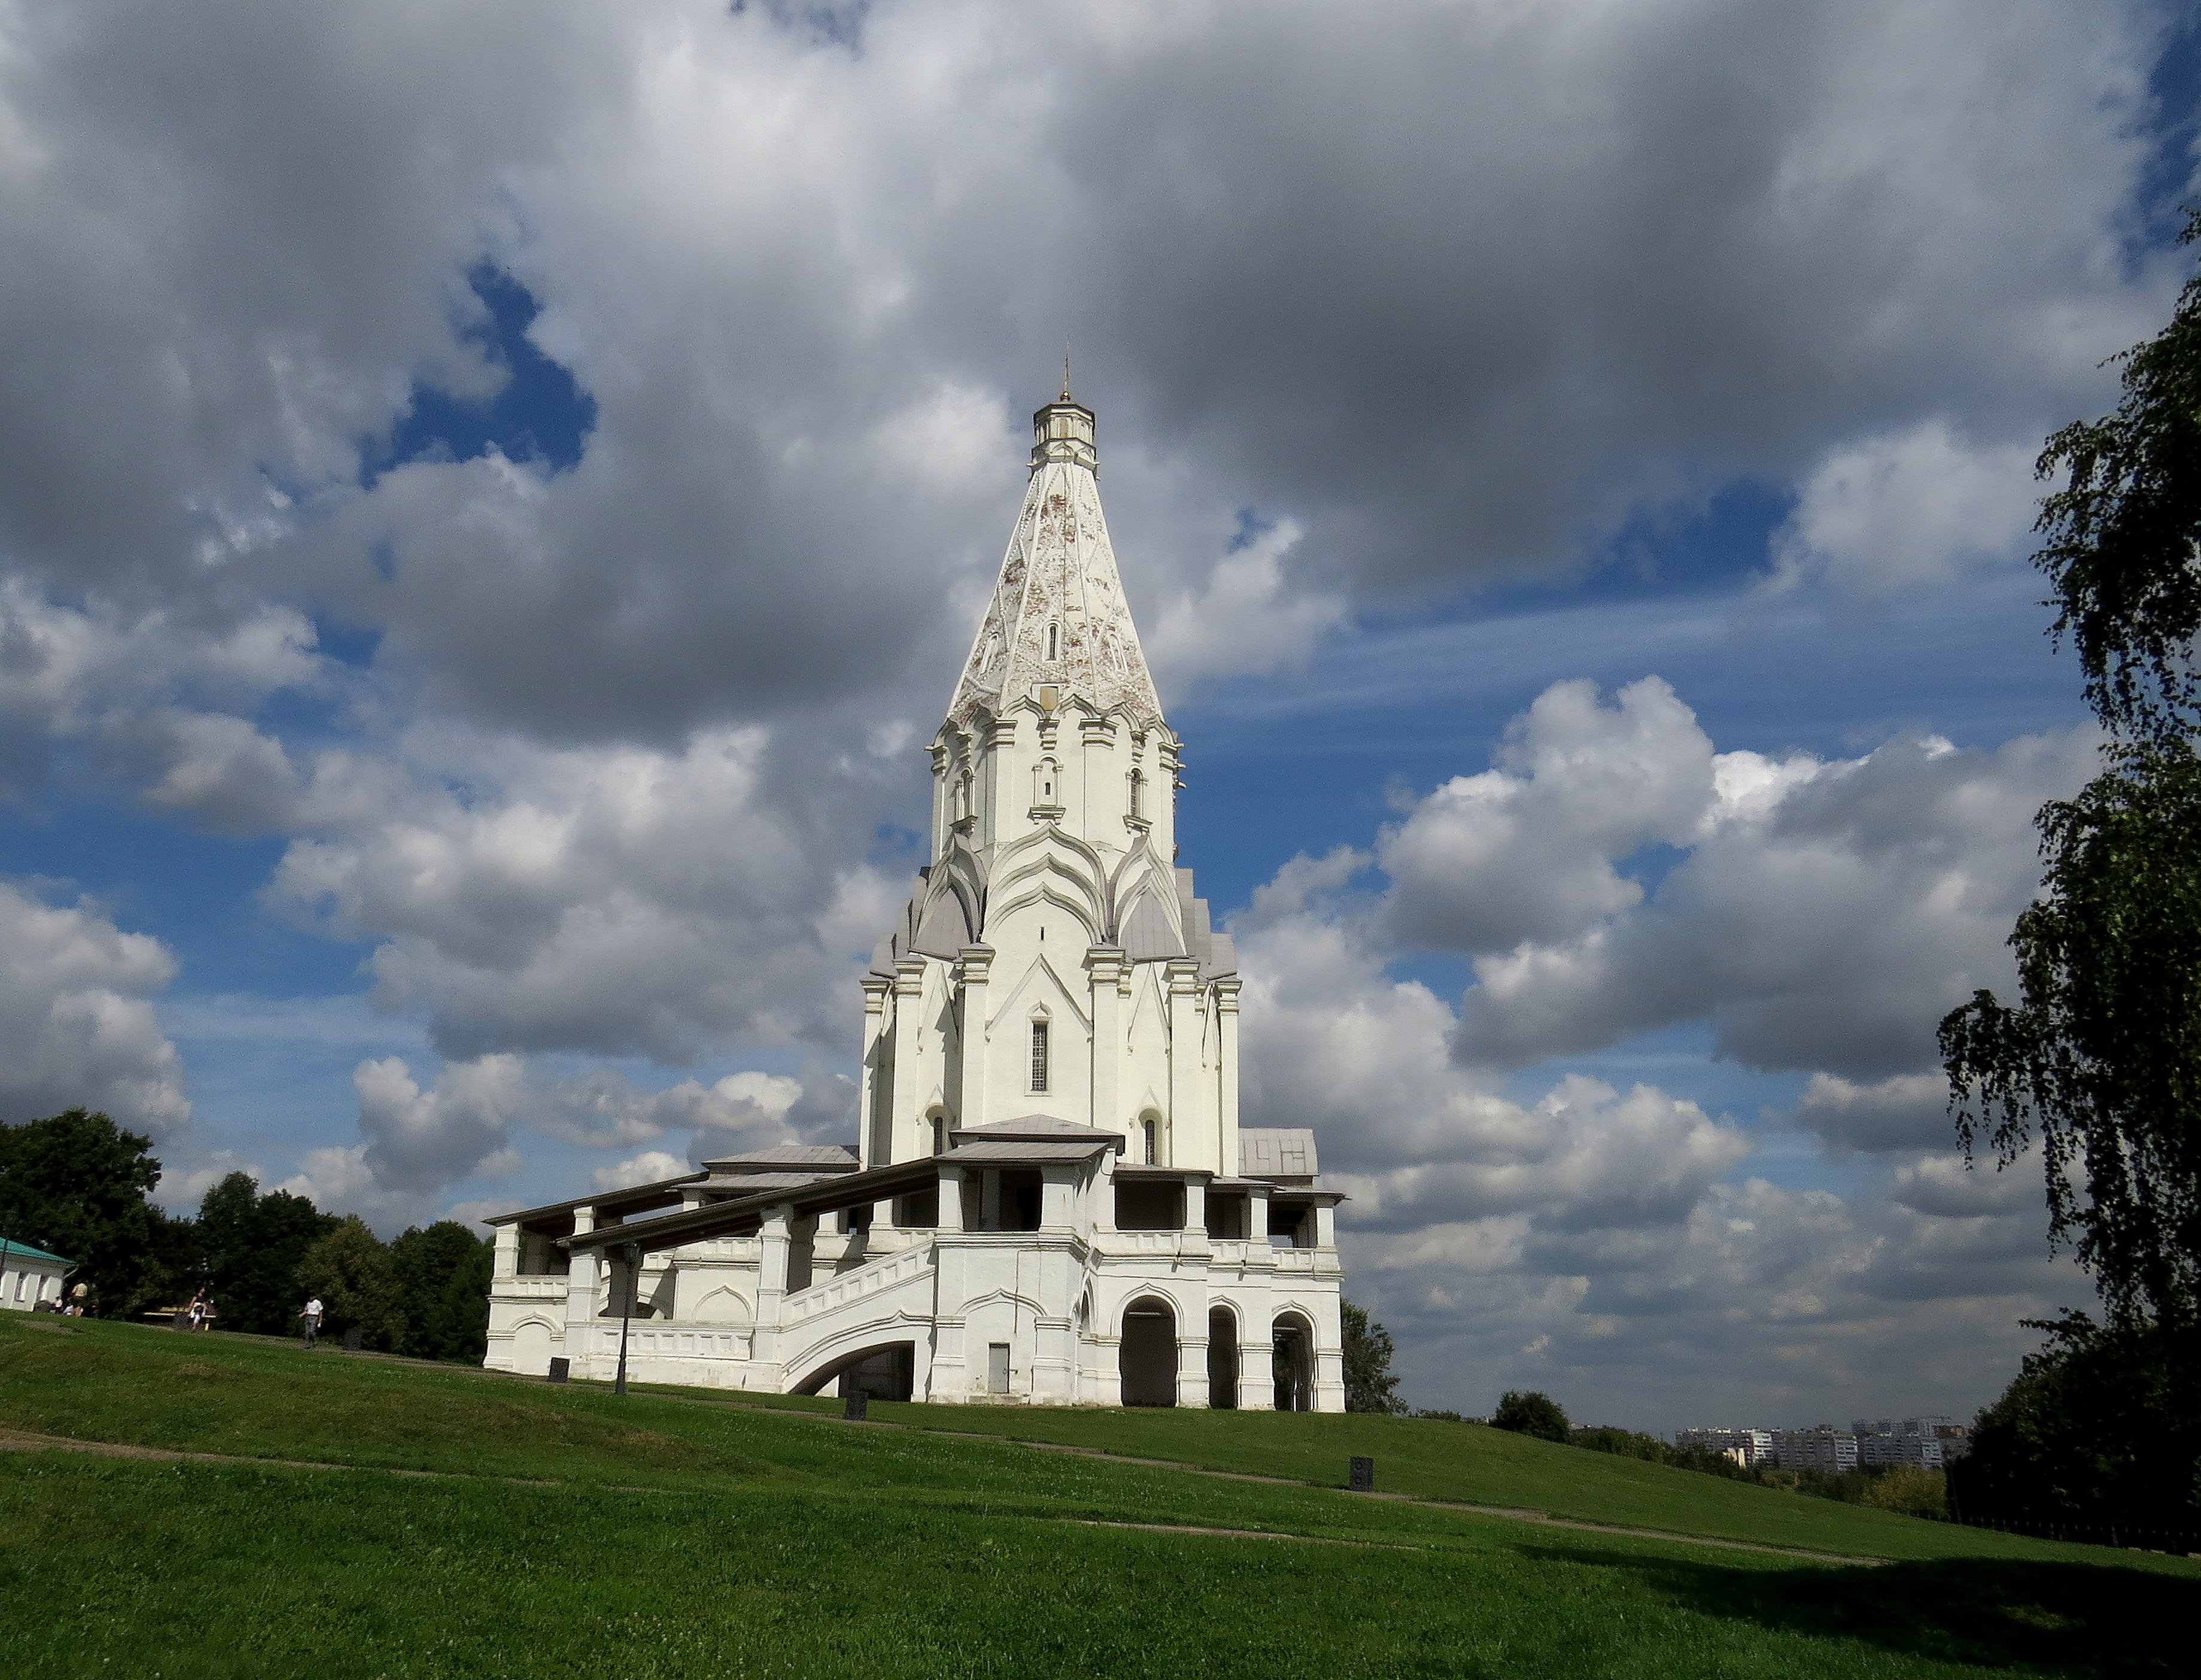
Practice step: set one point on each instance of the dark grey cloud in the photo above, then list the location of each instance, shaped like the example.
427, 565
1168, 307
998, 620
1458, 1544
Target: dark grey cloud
1453, 289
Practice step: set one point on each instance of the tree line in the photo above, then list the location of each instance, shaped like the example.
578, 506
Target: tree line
78, 1185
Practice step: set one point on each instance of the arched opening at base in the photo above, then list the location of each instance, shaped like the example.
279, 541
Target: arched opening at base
1147, 1357
1223, 1359
1293, 1356
888, 1373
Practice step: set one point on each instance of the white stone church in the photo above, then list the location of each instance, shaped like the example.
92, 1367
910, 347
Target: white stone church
1050, 1201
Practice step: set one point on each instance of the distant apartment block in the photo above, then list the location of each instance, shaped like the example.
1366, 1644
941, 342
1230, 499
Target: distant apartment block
1925, 1443
1748, 1448
1824, 1448
1922, 1452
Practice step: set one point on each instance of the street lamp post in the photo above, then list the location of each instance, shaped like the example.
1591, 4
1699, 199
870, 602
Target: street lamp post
631, 1253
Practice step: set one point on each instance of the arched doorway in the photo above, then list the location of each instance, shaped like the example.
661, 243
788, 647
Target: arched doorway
1292, 1353
1147, 1358
1222, 1358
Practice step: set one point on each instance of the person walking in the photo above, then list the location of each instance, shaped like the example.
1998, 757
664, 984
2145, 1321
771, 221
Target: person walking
310, 1316
195, 1315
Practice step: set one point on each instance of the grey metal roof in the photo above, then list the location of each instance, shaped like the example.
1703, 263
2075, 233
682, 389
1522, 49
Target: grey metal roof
740, 1214
829, 1156
1276, 1153
1040, 1128
634, 1196
744, 1183
1014, 1150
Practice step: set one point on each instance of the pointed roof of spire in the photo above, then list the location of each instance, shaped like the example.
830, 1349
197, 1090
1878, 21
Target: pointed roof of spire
1058, 618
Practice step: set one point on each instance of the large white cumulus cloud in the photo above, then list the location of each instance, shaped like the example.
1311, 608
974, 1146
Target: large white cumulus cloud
77, 1023
1818, 913
1441, 284
1614, 873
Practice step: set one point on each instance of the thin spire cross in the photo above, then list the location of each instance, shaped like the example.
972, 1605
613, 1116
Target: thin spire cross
1065, 370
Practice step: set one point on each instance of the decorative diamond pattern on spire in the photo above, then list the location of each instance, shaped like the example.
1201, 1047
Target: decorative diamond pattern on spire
1058, 617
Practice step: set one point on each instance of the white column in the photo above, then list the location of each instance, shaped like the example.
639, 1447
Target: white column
944, 1375
1058, 1197
1000, 796
1102, 1193
1226, 1073
774, 1242
1185, 1117
1256, 1218
871, 1107
507, 1263
1192, 1344
1196, 1207
1105, 963
582, 1273
974, 967
908, 1033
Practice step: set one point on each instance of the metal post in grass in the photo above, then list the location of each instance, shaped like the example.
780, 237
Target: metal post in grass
631, 1253
856, 1405
1363, 1475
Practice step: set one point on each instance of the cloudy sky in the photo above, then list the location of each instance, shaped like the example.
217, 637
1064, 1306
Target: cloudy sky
492, 502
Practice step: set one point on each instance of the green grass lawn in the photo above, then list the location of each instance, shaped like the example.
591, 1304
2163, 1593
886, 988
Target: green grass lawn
688, 1536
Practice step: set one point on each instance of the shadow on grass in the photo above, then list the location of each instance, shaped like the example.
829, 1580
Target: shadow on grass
2054, 1618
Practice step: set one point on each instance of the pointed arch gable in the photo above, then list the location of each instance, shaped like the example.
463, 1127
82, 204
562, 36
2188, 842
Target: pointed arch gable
1149, 1015
724, 1305
1039, 984
1065, 870
1046, 893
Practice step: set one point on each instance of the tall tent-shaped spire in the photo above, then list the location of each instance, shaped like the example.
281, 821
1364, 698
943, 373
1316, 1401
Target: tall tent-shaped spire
1058, 618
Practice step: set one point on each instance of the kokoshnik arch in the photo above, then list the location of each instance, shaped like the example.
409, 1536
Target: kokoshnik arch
1050, 1200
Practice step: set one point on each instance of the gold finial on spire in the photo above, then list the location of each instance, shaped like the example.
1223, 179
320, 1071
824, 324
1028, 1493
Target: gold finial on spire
1065, 370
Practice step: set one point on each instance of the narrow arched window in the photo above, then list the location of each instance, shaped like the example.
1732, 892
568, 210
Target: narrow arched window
1139, 795
1152, 1128
1051, 649
1039, 1049
1044, 774
940, 1134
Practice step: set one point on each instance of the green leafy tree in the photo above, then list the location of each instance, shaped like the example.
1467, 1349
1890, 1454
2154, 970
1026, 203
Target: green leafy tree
350, 1270
1910, 1489
1369, 1384
75, 1184
1527, 1412
2097, 1429
442, 1274
2099, 1060
2122, 535
250, 1246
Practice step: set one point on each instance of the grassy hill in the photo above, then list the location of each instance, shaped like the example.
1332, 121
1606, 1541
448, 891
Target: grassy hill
486, 1526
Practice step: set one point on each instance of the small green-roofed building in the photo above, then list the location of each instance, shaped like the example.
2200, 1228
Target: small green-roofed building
29, 1276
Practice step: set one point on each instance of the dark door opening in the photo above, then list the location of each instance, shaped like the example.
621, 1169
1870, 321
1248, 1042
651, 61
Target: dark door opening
1147, 1358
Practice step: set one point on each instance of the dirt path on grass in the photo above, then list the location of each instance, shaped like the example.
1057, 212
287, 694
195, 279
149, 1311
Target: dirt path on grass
23, 1441
1510, 1513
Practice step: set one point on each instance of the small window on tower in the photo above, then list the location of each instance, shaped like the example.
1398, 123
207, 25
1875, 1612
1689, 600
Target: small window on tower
1050, 642
1039, 1055
1139, 795
1154, 1139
